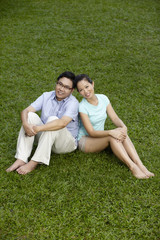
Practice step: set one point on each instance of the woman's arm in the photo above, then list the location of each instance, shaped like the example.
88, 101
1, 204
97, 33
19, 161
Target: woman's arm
89, 128
117, 133
114, 117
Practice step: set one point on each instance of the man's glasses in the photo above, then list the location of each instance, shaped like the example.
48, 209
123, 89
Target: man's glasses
64, 86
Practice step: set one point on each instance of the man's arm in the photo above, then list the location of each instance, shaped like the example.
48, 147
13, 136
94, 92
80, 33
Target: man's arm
71, 112
24, 117
54, 125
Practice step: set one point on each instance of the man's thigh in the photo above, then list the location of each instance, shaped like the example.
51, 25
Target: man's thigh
64, 142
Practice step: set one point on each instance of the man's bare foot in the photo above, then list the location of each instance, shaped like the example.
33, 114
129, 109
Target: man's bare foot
29, 167
18, 163
145, 170
136, 171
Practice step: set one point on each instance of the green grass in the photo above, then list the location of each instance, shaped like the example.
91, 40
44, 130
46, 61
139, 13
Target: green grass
81, 196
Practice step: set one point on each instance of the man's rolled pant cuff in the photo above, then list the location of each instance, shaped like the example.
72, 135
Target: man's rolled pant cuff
20, 157
46, 162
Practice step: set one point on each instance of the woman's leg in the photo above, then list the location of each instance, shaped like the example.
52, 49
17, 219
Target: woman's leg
99, 144
95, 144
130, 149
119, 150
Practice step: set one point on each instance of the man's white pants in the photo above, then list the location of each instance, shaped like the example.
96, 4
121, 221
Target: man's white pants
59, 141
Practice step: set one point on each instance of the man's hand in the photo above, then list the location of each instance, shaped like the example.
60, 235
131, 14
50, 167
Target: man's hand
36, 129
29, 130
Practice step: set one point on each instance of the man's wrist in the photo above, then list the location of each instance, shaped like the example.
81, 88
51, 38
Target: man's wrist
25, 124
37, 129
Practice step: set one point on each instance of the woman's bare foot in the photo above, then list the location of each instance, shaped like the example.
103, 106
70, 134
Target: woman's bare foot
18, 163
29, 167
145, 170
136, 171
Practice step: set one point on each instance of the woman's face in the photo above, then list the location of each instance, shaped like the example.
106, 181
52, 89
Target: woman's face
85, 88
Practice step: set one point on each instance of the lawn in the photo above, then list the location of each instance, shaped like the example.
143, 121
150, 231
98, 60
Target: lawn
81, 196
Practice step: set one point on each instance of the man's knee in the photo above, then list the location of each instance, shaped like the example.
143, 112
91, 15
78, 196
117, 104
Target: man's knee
51, 118
33, 118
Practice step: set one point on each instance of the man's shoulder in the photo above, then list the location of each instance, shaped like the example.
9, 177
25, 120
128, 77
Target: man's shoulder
48, 95
51, 93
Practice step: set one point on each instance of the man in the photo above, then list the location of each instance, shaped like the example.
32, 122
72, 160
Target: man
56, 130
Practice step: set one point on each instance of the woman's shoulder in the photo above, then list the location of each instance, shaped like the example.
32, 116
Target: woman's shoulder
82, 102
82, 106
103, 97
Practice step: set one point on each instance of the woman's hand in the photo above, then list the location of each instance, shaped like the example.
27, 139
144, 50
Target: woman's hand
119, 134
124, 129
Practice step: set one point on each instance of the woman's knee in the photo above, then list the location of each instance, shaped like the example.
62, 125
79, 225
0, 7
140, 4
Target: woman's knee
112, 140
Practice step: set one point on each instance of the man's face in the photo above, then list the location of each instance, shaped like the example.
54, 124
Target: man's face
63, 88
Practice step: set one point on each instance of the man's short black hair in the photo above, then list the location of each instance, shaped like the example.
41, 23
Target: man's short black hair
69, 75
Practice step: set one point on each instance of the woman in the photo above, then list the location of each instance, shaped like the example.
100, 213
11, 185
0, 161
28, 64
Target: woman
93, 110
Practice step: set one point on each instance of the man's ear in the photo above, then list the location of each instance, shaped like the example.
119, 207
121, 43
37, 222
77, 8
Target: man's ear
93, 84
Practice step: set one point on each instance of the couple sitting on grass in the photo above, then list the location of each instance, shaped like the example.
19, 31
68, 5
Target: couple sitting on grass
58, 129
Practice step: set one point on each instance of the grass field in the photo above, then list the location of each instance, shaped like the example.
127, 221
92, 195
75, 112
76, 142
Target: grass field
81, 196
